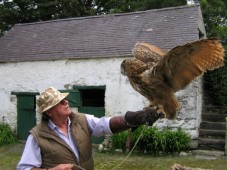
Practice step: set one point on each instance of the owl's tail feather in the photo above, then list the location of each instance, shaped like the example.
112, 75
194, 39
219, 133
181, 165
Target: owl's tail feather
170, 108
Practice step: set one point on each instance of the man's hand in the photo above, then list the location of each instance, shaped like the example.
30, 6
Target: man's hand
132, 120
146, 116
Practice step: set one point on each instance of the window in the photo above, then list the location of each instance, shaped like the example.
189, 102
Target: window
92, 97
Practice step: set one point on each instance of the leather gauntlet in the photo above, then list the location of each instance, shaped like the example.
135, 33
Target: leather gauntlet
134, 119
147, 116
118, 124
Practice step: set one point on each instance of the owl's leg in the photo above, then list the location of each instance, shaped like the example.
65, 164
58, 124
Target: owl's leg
159, 109
151, 106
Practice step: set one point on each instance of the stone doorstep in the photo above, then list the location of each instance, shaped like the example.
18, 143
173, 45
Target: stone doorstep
213, 125
210, 133
208, 154
214, 117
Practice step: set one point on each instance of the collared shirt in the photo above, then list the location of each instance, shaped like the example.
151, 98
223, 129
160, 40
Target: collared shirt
68, 139
31, 157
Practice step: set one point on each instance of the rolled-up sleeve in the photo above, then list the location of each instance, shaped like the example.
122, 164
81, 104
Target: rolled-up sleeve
31, 157
99, 126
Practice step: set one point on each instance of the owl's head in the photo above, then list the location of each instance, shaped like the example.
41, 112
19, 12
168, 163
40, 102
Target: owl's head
132, 67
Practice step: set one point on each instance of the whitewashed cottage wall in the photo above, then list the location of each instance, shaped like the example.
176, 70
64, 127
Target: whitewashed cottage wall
119, 95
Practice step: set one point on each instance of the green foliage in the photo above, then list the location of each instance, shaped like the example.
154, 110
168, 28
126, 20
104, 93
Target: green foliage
214, 15
6, 135
154, 141
26, 11
18, 11
175, 141
215, 19
115, 6
216, 83
119, 140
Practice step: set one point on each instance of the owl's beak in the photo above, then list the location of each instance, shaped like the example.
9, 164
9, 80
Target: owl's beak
122, 68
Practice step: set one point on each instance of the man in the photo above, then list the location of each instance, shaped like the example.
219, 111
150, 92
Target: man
62, 141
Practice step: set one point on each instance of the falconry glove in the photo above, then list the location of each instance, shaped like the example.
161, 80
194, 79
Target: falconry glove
147, 116
133, 119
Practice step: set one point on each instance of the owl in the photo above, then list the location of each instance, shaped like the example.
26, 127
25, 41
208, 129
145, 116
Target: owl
158, 75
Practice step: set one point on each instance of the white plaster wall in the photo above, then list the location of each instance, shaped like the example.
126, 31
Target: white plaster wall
37, 76
119, 95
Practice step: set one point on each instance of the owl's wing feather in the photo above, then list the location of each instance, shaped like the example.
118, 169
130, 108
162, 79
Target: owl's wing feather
147, 53
184, 63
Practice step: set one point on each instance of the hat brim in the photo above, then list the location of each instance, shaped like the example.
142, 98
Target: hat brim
64, 95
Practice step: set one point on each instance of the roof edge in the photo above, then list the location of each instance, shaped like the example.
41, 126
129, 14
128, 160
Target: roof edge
108, 15
66, 58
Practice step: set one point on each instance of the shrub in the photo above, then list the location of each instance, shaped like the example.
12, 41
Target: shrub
6, 135
154, 141
175, 141
119, 140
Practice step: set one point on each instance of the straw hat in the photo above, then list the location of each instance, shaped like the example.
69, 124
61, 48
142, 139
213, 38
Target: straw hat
49, 98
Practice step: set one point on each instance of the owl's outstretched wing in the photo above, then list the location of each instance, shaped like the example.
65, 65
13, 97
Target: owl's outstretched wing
184, 63
147, 53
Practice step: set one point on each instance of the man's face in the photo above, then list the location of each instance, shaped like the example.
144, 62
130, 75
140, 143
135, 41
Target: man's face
61, 110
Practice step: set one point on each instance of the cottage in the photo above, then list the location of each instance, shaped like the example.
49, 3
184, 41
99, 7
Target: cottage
83, 56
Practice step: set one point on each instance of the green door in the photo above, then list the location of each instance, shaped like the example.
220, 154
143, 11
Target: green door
88, 99
26, 115
26, 110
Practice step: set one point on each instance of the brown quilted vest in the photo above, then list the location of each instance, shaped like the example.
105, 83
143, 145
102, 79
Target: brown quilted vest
55, 151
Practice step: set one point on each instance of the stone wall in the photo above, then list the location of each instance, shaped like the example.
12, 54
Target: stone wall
189, 117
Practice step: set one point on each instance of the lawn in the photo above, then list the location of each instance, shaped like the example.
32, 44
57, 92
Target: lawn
10, 155
104, 161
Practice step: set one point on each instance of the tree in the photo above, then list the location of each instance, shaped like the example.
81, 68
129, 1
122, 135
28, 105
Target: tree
18, 11
215, 19
26, 11
115, 6
23, 11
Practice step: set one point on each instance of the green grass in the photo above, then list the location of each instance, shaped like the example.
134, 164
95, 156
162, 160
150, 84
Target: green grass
10, 156
144, 162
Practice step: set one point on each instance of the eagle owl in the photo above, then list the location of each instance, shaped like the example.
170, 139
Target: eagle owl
157, 74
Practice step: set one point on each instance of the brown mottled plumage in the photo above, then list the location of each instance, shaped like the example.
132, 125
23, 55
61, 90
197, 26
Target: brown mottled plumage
157, 74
